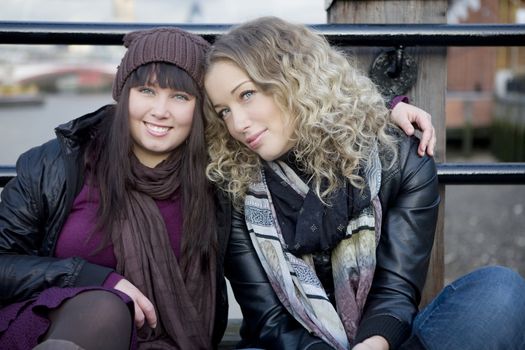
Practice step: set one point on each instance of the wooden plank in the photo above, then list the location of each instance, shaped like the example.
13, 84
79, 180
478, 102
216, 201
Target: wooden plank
428, 92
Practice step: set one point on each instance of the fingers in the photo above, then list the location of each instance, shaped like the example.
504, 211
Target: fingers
144, 309
148, 311
144, 312
139, 316
432, 144
406, 126
426, 136
427, 142
407, 117
423, 121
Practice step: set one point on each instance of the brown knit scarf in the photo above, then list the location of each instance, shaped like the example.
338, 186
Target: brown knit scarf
185, 304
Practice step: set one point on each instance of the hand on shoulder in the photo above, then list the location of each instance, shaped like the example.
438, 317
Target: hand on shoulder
407, 116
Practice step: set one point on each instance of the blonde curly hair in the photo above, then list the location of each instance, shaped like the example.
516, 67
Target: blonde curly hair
336, 110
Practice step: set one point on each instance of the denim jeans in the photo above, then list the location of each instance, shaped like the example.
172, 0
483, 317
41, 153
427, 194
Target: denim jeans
482, 310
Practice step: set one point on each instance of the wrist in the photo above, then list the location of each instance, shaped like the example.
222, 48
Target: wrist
396, 100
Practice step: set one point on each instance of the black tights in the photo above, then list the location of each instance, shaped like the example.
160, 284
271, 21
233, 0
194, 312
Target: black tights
92, 320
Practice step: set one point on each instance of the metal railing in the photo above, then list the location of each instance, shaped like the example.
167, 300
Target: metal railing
65, 33
448, 173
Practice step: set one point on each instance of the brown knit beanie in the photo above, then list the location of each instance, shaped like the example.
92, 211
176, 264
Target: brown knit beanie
170, 45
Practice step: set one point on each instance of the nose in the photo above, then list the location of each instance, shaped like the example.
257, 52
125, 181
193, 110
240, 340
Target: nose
240, 120
160, 108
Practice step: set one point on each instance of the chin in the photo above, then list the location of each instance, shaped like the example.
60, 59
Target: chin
268, 158
270, 155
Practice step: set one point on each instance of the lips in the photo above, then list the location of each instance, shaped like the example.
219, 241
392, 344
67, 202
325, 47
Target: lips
254, 140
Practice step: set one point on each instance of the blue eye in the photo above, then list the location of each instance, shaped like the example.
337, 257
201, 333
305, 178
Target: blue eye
182, 97
247, 94
223, 113
146, 90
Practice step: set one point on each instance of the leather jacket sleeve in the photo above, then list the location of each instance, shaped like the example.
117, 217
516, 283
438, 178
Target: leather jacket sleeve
410, 200
266, 323
30, 205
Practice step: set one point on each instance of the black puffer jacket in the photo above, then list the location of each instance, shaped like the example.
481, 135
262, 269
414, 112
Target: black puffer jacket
410, 199
36, 204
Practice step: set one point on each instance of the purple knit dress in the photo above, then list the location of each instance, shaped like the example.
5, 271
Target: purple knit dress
23, 324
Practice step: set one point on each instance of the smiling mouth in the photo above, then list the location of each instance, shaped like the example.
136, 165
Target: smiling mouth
254, 140
156, 129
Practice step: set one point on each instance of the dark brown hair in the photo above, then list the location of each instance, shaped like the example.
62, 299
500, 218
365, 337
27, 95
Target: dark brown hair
109, 166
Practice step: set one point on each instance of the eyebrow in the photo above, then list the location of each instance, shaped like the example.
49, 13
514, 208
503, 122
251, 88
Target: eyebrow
233, 90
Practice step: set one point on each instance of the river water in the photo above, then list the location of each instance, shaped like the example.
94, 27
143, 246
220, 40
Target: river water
23, 127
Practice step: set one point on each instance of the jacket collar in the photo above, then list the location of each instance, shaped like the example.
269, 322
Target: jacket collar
80, 129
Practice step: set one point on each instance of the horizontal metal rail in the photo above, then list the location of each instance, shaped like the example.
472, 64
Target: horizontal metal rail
481, 173
448, 173
63, 33
35, 33
6, 174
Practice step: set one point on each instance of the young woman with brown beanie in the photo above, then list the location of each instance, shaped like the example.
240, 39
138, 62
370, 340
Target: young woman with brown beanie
114, 218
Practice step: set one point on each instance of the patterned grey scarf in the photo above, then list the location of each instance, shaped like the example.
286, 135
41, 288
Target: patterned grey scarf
294, 278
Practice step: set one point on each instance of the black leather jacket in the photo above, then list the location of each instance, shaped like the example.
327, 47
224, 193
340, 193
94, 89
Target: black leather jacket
36, 204
410, 199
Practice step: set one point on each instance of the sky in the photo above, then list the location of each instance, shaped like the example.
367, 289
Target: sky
164, 11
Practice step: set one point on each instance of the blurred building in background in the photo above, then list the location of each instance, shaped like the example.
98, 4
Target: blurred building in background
486, 85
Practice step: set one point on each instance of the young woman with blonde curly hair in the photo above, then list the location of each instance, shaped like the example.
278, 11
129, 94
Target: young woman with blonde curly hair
335, 212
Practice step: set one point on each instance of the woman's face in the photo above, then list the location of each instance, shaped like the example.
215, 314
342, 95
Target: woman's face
252, 117
160, 120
